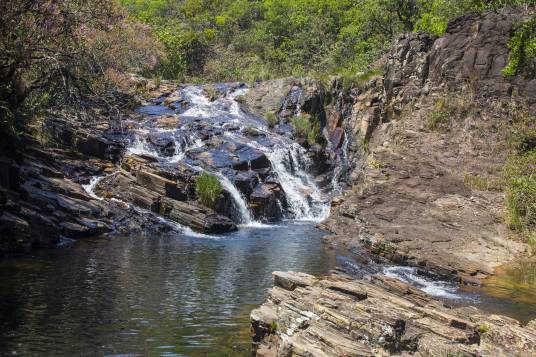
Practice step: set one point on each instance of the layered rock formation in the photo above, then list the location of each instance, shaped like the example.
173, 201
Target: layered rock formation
338, 316
428, 147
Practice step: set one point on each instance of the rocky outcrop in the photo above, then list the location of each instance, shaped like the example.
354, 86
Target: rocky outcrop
40, 203
338, 316
427, 150
149, 190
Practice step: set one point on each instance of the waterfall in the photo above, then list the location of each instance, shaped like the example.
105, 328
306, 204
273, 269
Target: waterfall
303, 195
289, 162
240, 203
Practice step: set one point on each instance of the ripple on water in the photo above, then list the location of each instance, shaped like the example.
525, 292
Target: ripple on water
150, 295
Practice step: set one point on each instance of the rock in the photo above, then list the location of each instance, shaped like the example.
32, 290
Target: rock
265, 202
9, 174
14, 233
251, 158
154, 195
337, 316
161, 185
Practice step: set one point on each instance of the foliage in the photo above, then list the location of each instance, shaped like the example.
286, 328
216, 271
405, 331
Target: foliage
520, 178
306, 128
65, 54
301, 125
483, 328
523, 50
258, 39
271, 119
208, 189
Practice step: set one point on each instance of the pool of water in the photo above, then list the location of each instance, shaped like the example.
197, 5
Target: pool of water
173, 295
185, 294
511, 291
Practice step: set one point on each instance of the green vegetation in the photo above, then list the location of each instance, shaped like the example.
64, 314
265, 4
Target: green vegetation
66, 55
271, 119
208, 189
207, 40
483, 328
523, 50
520, 177
306, 128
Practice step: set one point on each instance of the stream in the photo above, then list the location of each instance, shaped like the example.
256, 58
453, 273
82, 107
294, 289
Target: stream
190, 294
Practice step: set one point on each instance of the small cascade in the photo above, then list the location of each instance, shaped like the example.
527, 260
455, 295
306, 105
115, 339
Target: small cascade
205, 122
303, 195
141, 147
441, 289
93, 182
239, 201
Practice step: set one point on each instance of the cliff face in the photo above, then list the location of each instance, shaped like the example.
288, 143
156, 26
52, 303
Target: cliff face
429, 147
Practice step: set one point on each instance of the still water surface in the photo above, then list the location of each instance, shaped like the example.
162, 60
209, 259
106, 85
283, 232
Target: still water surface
189, 295
171, 295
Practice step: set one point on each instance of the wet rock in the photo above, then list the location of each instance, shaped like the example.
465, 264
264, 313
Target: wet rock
164, 142
251, 159
337, 316
15, 233
246, 181
265, 202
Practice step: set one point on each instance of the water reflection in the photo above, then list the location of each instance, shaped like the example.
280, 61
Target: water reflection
170, 295
511, 291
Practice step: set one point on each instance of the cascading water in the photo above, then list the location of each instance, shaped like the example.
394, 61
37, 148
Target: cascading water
241, 205
289, 163
303, 195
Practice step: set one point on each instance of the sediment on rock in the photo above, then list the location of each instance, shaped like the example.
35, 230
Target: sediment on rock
380, 316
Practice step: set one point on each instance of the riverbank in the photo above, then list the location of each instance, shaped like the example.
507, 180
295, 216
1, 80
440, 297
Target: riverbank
380, 316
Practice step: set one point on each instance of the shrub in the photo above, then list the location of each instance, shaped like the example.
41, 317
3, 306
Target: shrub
301, 125
306, 128
483, 328
271, 119
520, 179
523, 51
208, 189
312, 133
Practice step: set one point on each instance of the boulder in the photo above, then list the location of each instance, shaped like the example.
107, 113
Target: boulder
265, 202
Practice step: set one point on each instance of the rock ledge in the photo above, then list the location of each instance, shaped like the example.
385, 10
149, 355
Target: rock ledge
380, 316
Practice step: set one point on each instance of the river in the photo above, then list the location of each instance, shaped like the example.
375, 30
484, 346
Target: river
190, 294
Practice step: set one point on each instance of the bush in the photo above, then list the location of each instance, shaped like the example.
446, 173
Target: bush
301, 125
208, 189
523, 51
271, 119
520, 178
66, 55
306, 128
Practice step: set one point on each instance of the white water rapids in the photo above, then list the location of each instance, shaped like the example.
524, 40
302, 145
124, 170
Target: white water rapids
288, 160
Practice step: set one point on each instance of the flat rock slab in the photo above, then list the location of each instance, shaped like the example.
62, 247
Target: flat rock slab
380, 316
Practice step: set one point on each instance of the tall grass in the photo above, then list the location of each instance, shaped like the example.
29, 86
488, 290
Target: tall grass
208, 189
306, 128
